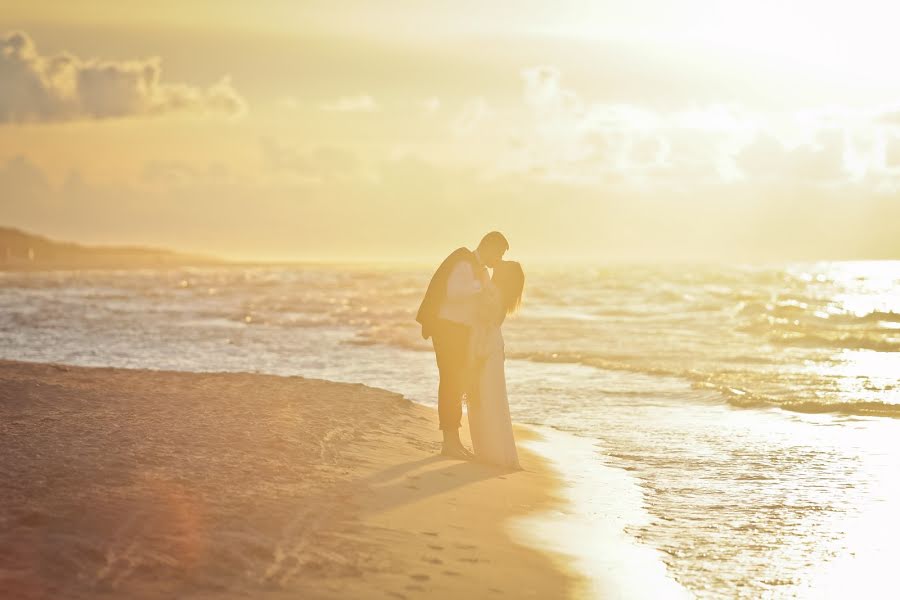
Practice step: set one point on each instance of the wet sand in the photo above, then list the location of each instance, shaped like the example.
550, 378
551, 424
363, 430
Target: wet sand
146, 484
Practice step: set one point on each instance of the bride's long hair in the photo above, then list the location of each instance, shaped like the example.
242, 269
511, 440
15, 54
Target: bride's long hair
510, 280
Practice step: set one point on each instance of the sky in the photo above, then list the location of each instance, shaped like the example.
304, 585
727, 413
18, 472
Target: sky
642, 130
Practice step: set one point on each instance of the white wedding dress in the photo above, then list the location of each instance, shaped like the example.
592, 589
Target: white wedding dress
489, 422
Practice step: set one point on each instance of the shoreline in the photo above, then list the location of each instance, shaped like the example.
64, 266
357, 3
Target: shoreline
144, 482
601, 501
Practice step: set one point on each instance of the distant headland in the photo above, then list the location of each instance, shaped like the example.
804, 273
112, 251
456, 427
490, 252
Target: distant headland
23, 251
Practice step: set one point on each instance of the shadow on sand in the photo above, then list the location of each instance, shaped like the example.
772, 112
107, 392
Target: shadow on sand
395, 486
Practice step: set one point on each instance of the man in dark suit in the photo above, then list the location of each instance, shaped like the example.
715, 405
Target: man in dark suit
447, 314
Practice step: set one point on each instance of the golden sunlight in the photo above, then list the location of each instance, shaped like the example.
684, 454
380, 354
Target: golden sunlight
428, 299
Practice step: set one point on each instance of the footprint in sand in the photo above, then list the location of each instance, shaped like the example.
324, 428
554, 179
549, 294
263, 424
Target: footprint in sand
496, 590
432, 560
431, 533
419, 577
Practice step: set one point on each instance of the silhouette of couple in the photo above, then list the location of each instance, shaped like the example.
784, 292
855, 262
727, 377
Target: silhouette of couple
462, 312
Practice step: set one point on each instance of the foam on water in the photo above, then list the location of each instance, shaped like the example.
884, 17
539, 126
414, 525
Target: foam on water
603, 502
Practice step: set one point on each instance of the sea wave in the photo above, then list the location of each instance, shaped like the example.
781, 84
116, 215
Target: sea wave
741, 398
738, 327
795, 323
824, 314
837, 341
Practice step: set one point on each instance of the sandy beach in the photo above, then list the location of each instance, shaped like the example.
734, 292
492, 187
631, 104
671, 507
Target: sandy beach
145, 484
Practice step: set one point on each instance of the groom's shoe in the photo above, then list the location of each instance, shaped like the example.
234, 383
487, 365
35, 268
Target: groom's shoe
457, 451
468, 453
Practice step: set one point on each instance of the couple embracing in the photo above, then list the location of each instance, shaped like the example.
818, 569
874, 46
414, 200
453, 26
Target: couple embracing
462, 312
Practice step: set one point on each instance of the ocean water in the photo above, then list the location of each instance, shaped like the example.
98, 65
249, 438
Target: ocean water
755, 408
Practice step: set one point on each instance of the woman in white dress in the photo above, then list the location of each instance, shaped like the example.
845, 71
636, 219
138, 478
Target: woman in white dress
488, 406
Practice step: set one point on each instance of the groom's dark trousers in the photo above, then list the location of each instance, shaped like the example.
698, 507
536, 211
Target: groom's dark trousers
451, 347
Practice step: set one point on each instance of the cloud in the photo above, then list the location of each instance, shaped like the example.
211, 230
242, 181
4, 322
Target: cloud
25, 191
431, 105
361, 103
288, 103
177, 172
767, 157
890, 117
892, 154
568, 138
21, 176
37, 88
318, 164
473, 112
185, 206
